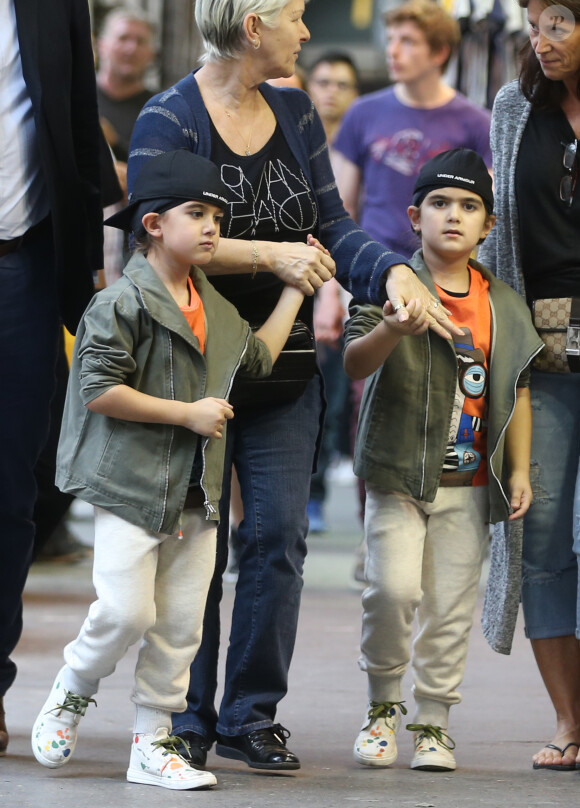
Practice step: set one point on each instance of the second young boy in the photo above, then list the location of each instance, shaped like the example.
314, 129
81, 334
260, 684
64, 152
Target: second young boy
443, 446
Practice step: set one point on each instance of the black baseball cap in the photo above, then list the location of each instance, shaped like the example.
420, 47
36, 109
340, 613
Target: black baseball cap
456, 168
168, 180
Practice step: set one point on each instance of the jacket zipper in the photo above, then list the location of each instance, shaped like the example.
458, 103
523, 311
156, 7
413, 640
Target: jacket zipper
427, 403
505, 426
172, 392
209, 509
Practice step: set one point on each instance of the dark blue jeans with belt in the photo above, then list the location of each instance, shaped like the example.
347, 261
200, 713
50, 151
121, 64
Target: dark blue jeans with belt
29, 330
272, 449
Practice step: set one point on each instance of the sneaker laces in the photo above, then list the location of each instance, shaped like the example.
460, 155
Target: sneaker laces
431, 731
171, 745
383, 709
73, 703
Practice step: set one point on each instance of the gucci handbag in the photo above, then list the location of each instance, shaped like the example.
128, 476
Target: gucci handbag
557, 321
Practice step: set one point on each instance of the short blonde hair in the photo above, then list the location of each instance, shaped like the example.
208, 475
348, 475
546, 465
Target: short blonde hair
220, 23
440, 29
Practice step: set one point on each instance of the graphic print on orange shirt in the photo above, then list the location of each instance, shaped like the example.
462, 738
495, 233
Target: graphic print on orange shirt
466, 456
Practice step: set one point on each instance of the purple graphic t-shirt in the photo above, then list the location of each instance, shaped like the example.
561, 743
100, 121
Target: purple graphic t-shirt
389, 142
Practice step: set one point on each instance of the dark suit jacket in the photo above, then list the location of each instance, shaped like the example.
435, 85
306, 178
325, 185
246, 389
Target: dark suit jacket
58, 68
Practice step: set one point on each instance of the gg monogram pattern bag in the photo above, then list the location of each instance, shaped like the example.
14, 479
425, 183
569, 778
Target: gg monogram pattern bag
557, 321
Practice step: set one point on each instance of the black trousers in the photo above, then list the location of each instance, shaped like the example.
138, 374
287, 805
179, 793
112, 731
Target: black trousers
29, 330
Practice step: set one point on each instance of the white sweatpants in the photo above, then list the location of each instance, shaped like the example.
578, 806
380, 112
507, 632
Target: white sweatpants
424, 559
151, 586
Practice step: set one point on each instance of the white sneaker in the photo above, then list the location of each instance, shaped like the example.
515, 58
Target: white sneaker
433, 749
54, 734
376, 744
155, 762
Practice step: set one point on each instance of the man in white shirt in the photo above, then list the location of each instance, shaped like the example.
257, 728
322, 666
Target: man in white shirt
50, 246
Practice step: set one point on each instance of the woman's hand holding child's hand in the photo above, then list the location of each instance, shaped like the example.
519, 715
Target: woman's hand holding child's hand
306, 266
417, 322
312, 241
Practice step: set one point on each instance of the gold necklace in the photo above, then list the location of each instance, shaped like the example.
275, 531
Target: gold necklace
247, 145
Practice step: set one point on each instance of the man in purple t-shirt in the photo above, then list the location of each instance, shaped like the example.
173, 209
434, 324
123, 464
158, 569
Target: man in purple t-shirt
387, 136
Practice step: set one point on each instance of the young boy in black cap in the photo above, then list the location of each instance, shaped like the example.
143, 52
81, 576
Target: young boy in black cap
142, 440
443, 453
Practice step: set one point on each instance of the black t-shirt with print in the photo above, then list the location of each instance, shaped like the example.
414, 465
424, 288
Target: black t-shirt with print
550, 242
270, 200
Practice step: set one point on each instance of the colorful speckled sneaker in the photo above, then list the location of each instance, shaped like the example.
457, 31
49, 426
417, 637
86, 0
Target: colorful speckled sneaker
155, 762
54, 734
433, 749
376, 744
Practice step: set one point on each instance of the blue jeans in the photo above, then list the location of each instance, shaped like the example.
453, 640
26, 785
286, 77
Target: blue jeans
273, 450
551, 529
29, 330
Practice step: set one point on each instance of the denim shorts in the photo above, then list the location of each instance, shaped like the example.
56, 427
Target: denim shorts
552, 526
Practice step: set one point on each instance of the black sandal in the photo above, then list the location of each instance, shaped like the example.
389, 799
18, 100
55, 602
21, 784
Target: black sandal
558, 767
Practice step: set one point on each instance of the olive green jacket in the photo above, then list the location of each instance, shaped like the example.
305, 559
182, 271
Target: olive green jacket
134, 333
407, 403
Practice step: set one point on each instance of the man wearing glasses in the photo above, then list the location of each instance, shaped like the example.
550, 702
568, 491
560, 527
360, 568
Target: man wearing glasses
333, 83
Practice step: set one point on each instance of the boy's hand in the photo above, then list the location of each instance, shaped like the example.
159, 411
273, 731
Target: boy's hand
520, 495
207, 416
416, 323
313, 242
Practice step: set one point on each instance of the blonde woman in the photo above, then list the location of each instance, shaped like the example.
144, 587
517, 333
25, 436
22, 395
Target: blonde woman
271, 147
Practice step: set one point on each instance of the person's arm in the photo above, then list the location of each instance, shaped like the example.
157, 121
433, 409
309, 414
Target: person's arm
366, 354
329, 315
276, 330
295, 263
206, 416
367, 269
363, 263
164, 129
84, 131
105, 352
349, 183
518, 441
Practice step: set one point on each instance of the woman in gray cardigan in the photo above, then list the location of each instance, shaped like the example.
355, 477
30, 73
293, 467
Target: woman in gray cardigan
535, 247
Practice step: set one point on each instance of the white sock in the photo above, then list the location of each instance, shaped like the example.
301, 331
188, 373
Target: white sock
75, 684
149, 719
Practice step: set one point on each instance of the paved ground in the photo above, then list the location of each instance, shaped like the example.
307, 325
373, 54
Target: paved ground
504, 717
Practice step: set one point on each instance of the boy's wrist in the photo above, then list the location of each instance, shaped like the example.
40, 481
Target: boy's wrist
294, 294
181, 414
519, 475
389, 329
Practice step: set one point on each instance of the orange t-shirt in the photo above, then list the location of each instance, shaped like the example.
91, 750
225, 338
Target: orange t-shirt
194, 315
466, 457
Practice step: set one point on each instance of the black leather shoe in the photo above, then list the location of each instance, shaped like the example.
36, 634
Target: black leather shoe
193, 748
260, 749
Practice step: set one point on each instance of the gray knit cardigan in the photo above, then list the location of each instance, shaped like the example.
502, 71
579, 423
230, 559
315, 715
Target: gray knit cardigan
501, 254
